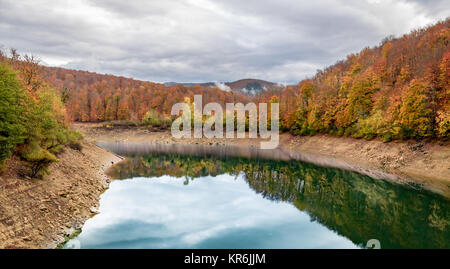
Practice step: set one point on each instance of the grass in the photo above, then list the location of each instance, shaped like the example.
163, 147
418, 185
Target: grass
68, 237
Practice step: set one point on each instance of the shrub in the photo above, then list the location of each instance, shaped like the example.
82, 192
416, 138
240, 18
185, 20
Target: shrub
37, 159
387, 137
153, 119
444, 124
372, 126
120, 123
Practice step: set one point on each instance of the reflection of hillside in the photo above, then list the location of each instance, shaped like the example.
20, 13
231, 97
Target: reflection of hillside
355, 206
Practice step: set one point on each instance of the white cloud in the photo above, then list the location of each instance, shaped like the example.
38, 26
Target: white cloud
222, 86
205, 40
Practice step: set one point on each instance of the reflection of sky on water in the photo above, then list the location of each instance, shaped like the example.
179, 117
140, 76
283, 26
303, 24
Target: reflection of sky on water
210, 212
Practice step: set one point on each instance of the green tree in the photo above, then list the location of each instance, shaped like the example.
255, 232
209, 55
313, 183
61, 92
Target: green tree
416, 116
154, 119
32, 123
47, 132
13, 100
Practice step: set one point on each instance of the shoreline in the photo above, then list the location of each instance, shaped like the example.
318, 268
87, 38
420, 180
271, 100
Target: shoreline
42, 213
410, 162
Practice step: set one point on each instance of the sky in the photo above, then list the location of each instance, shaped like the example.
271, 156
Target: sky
282, 41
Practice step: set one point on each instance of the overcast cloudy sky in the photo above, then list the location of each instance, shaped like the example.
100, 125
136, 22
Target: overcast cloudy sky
205, 40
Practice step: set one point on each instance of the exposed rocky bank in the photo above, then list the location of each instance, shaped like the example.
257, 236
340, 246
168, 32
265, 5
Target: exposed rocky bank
41, 213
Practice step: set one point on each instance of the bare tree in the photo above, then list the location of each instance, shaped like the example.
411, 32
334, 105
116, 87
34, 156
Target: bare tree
30, 69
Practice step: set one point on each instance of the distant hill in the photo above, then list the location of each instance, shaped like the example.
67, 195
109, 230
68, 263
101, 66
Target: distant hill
92, 97
250, 87
204, 84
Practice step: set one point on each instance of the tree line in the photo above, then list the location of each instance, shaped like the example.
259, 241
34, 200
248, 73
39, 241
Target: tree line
92, 97
397, 90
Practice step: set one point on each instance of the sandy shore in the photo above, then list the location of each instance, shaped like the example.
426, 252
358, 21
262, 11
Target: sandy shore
427, 164
40, 213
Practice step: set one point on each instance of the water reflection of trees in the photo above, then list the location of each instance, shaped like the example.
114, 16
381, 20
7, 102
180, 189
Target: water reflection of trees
355, 206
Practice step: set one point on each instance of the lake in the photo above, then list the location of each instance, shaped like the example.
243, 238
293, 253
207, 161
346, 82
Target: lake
195, 199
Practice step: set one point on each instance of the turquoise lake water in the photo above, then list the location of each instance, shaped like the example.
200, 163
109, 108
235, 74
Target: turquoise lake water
176, 201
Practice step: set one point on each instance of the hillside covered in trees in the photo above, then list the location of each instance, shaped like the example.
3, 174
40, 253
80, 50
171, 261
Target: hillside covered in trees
397, 90
34, 126
91, 97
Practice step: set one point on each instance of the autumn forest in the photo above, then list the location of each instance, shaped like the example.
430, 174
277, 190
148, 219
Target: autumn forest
397, 90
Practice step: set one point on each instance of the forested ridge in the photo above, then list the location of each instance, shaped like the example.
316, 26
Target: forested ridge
92, 97
397, 90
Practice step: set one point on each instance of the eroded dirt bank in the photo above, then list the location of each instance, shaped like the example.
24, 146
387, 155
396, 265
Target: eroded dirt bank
39, 213
427, 164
